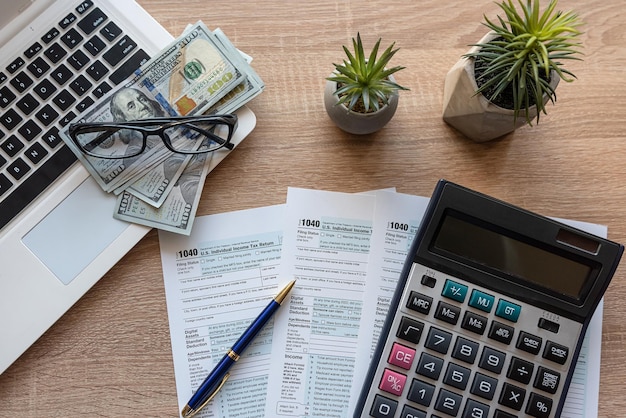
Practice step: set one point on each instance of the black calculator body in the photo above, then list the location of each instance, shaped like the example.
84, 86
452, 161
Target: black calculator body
489, 314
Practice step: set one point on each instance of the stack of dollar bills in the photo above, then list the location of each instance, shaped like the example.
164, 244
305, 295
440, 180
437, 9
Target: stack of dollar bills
159, 188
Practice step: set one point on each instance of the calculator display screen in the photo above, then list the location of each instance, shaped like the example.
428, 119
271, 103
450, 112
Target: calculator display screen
482, 244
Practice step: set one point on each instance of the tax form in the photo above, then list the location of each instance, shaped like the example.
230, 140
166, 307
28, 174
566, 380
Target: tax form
217, 281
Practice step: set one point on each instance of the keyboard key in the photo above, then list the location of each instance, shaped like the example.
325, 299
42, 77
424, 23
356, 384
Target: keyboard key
410, 412
67, 119
481, 300
419, 302
528, 342
457, 376
539, 406
92, 21
21, 82
36, 153
101, 90
84, 104
5, 184
12, 145
6, 96
492, 360
547, 380
47, 115
29, 130
80, 85
110, 31
454, 291
447, 313
410, 330
33, 50
18, 168
71, 38
512, 396
67, 21
383, 407
438, 340
95, 45
78, 60
520, 370
10, 119
38, 181
137, 60
475, 409
501, 332
45, 89
465, 350
392, 382
555, 352
84, 6
119, 51
401, 356
15, 65
50, 35
501, 414
508, 310
430, 366
448, 402
27, 104
3, 161
421, 392
97, 70
38, 67
62, 74
3, 77
52, 138
474, 322
484, 386
55, 52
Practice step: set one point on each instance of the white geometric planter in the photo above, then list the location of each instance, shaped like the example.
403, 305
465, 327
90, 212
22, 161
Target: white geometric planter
473, 115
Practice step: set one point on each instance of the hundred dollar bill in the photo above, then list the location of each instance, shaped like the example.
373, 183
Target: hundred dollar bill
178, 211
193, 73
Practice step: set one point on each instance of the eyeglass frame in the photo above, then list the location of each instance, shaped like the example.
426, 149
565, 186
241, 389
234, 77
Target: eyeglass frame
145, 127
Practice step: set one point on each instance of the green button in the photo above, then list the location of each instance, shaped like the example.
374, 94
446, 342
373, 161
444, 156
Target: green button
508, 310
481, 300
454, 290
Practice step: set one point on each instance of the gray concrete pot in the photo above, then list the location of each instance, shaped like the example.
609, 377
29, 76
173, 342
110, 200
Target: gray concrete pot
354, 122
473, 115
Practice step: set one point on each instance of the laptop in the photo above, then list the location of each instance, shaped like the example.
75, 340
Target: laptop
57, 233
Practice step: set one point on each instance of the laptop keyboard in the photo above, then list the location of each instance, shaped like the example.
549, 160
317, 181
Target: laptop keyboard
58, 77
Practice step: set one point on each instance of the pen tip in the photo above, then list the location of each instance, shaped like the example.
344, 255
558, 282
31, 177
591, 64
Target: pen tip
187, 412
283, 293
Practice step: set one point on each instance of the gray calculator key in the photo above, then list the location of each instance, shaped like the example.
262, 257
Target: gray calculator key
475, 409
512, 396
421, 392
430, 366
410, 412
410, 330
448, 402
465, 350
484, 386
383, 407
501, 332
492, 360
529, 342
419, 302
438, 340
539, 406
547, 380
457, 376
520, 370
448, 313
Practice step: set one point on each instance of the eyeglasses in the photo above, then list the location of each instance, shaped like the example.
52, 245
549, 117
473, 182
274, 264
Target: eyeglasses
184, 135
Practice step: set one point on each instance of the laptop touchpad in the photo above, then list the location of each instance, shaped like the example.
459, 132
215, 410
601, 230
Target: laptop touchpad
76, 231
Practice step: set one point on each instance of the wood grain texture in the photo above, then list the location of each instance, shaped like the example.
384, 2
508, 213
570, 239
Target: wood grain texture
110, 355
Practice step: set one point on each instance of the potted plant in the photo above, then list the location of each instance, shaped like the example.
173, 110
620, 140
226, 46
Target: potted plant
508, 77
361, 96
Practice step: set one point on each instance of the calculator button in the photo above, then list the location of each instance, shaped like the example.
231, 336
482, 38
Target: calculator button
401, 356
539, 406
465, 350
548, 325
447, 313
383, 407
528, 342
410, 330
438, 340
520, 370
492, 360
547, 380
448, 402
392, 382
501, 332
555, 352
419, 303
475, 409
410, 412
457, 376
454, 291
481, 300
421, 392
428, 281
502, 414
512, 396
430, 366
484, 386
508, 310
474, 322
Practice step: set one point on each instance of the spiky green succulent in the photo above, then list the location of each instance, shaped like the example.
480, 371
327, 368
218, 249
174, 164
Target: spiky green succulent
528, 46
364, 81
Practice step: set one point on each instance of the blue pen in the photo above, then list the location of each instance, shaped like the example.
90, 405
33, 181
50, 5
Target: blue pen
218, 376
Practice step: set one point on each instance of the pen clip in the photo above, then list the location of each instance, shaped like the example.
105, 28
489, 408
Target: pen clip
217, 389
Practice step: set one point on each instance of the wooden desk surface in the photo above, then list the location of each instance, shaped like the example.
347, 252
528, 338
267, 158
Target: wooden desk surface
110, 355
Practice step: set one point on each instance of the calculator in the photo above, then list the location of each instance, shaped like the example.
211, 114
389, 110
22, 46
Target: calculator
489, 313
